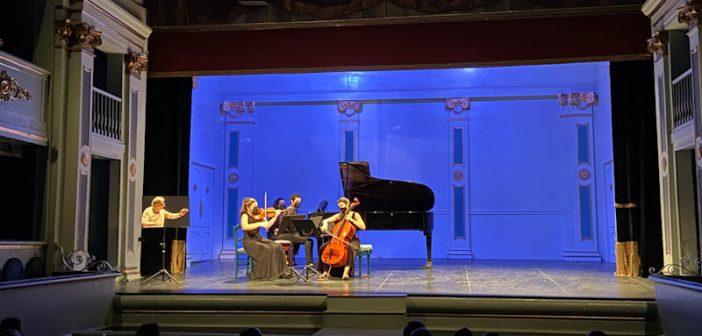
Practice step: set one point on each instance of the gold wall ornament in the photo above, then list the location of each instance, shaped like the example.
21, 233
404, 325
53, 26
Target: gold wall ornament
689, 13
457, 105
349, 107
581, 100
1, 42
10, 90
136, 63
658, 43
238, 108
79, 34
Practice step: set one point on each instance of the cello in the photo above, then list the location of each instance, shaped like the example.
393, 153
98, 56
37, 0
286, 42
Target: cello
335, 253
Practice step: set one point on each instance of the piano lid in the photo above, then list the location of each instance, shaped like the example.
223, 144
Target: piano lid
383, 195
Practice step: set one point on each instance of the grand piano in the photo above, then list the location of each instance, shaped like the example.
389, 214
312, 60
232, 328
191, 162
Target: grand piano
387, 204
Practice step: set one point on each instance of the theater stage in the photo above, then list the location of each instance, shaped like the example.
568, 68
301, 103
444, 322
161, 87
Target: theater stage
510, 297
409, 276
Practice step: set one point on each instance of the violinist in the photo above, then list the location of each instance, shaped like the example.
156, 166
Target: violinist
268, 255
354, 244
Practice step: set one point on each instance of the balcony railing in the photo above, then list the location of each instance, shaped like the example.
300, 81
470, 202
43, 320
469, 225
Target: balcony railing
107, 115
682, 99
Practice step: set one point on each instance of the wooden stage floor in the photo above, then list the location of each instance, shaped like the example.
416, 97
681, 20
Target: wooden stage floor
407, 276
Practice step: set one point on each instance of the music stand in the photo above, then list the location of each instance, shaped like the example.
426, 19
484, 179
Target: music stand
174, 202
165, 275
306, 228
287, 223
317, 218
285, 226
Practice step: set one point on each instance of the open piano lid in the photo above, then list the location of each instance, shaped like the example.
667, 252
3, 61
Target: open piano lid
383, 195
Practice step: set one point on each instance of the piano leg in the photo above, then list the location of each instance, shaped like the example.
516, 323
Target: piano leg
428, 237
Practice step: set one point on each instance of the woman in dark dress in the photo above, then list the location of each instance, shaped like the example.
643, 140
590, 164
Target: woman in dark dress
268, 256
355, 219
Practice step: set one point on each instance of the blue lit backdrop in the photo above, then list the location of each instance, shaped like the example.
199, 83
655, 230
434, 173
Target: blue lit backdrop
523, 154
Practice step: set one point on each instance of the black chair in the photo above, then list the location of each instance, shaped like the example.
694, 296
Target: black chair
239, 251
13, 270
34, 269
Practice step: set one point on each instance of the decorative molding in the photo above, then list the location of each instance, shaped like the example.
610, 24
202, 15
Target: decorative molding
349, 107
82, 261
233, 178
658, 43
457, 105
237, 108
133, 169
136, 63
688, 266
584, 174
698, 151
689, 13
1, 42
580, 100
10, 90
84, 160
79, 34
664, 164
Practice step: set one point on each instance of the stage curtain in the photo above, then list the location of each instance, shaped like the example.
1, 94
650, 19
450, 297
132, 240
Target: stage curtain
582, 3
324, 8
193, 12
178, 257
341, 8
442, 6
628, 261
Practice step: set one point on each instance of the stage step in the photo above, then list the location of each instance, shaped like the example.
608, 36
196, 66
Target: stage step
326, 314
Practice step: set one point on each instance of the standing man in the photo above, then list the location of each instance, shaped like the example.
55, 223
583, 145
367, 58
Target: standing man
155, 215
152, 222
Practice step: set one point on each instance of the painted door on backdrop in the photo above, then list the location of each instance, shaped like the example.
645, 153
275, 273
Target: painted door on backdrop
200, 238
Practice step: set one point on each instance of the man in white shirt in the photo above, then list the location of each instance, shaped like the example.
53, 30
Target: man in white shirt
155, 215
152, 220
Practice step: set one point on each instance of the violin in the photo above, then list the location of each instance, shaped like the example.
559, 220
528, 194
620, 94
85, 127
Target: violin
335, 254
259, 213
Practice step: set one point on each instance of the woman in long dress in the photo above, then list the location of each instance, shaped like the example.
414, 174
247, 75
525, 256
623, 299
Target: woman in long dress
268, 255
354, 218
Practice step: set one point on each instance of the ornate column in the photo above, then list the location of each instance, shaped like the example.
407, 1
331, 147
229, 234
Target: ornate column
349, 121
134, 98
460, 246
80, 40
690, 13
658, 46
577, 132
239, 161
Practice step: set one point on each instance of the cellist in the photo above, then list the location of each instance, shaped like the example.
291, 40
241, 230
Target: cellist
353, 246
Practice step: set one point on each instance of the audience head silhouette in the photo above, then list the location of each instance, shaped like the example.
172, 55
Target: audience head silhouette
148, 329
463, 332
251, 332
596, 333
421, 332
412, 326
10, 327
11, 323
